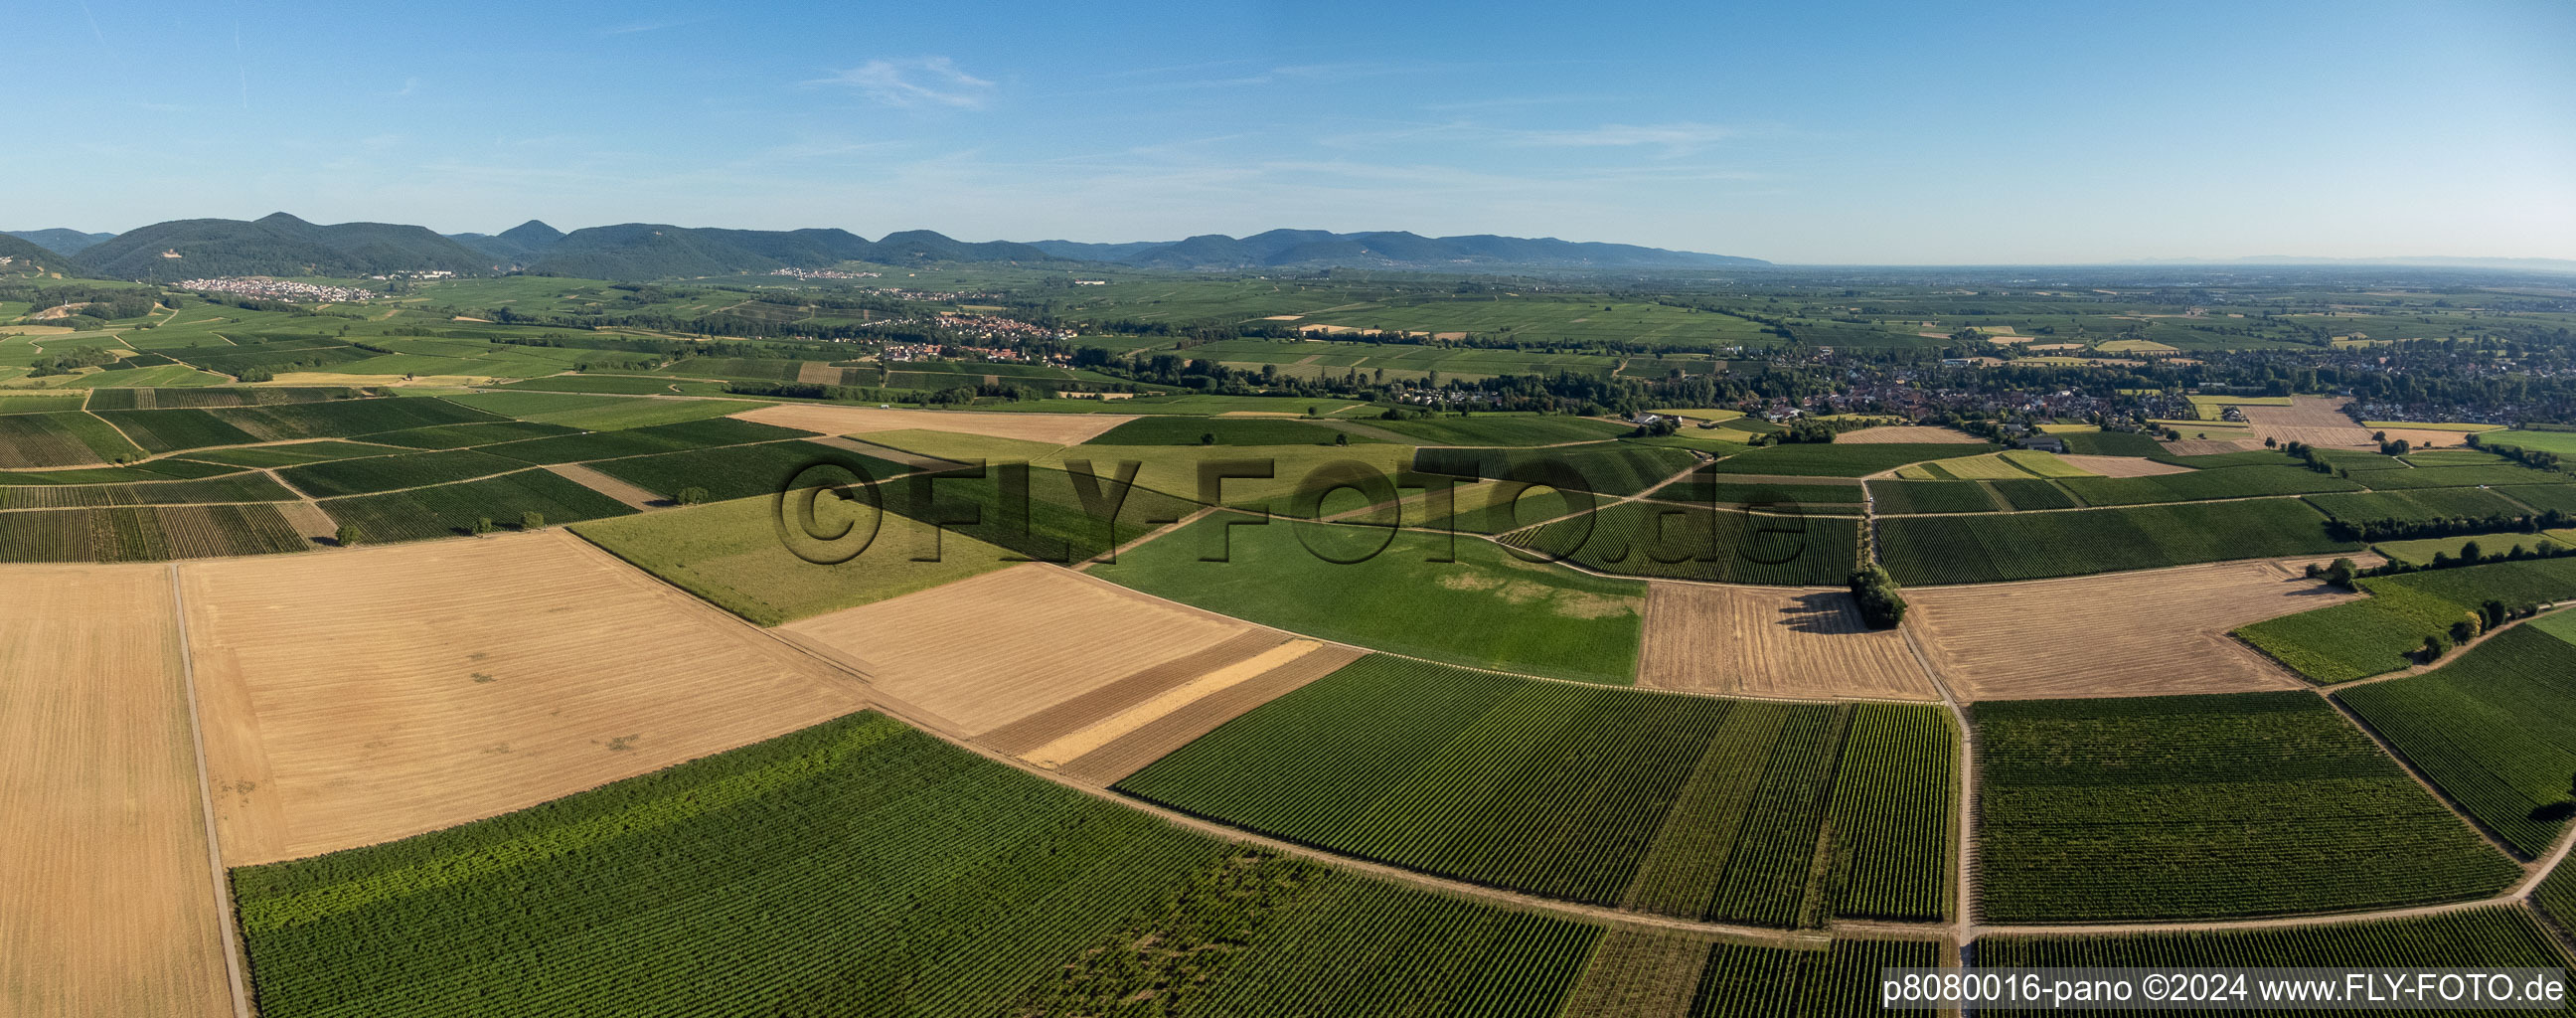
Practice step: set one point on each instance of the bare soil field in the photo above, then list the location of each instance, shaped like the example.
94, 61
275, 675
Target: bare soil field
2425, 437
990, 650
309, 520
1159, 736
2212, 446
1908, 434
2315, 420
371, 694
2121, 466
2126, 634
107, 900
1061, 429
1772, 642
633, 496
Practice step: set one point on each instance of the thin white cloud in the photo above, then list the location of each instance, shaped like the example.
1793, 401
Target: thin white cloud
915, 82
653, 26
1671, 137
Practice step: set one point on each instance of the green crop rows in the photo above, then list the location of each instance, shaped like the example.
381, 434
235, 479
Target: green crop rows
2200, 485
371, 474
2206, 807
459, 436
860, 867
2029, 546
1691, 806
145, 534
58, 440
2373, 635
230, 488
450, 509
645, 441
1839, 460
1609, 468
1901, 497
2495, 729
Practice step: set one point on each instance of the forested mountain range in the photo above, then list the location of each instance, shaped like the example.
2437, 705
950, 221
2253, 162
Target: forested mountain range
60, 241
283, 245
275, 245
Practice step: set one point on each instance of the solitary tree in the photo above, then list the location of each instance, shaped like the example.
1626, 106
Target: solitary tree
348, 535
1341, 438
483, 525
1207, 438
532, 521
691, 496
2340, 572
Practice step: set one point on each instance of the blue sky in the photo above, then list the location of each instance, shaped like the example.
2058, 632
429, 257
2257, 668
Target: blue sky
1800, 132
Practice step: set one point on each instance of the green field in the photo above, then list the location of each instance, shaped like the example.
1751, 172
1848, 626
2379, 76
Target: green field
645, 441
2561, 442
2201, 485
149, 470
2112, 443
2423, 506
626, 385
2033, 494
2421, 550
1903, 497
2376, 634
449, 510
461, 436
2459, 477
2206, 807
1486, 608
860, 867
289, 455
1691, 806
242, 487
1726, 489
367, 475
60, 440
1608, 468
598, 413
1503, 429
2495, 729
148, 534
731, 554
2029, 546
1669, 541
1844, 460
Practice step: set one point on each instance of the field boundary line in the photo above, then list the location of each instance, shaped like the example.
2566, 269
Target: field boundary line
2411, 671
1964, 865
2426, 780
206, 803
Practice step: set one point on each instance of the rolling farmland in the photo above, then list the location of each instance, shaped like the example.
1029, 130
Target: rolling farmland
2028, 546
2494, 729
1791, 643
1663, 541
356, 697
2376, 634
1484, 607
1696, 807
902, 858
2203, 807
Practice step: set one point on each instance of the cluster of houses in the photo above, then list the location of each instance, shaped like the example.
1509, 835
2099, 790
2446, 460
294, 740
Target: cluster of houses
280, 289
824, 274
418, 274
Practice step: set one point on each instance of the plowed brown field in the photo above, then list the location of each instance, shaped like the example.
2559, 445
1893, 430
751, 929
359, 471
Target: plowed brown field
2126, 634
1772, 642
107, 900
367, 695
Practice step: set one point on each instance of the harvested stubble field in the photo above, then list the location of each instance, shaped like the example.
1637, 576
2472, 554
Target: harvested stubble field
2312, 420
990, 650
106, 900
1772, 642
1060, 429
1867, 436
2125, 634
2120, 466
361, 696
